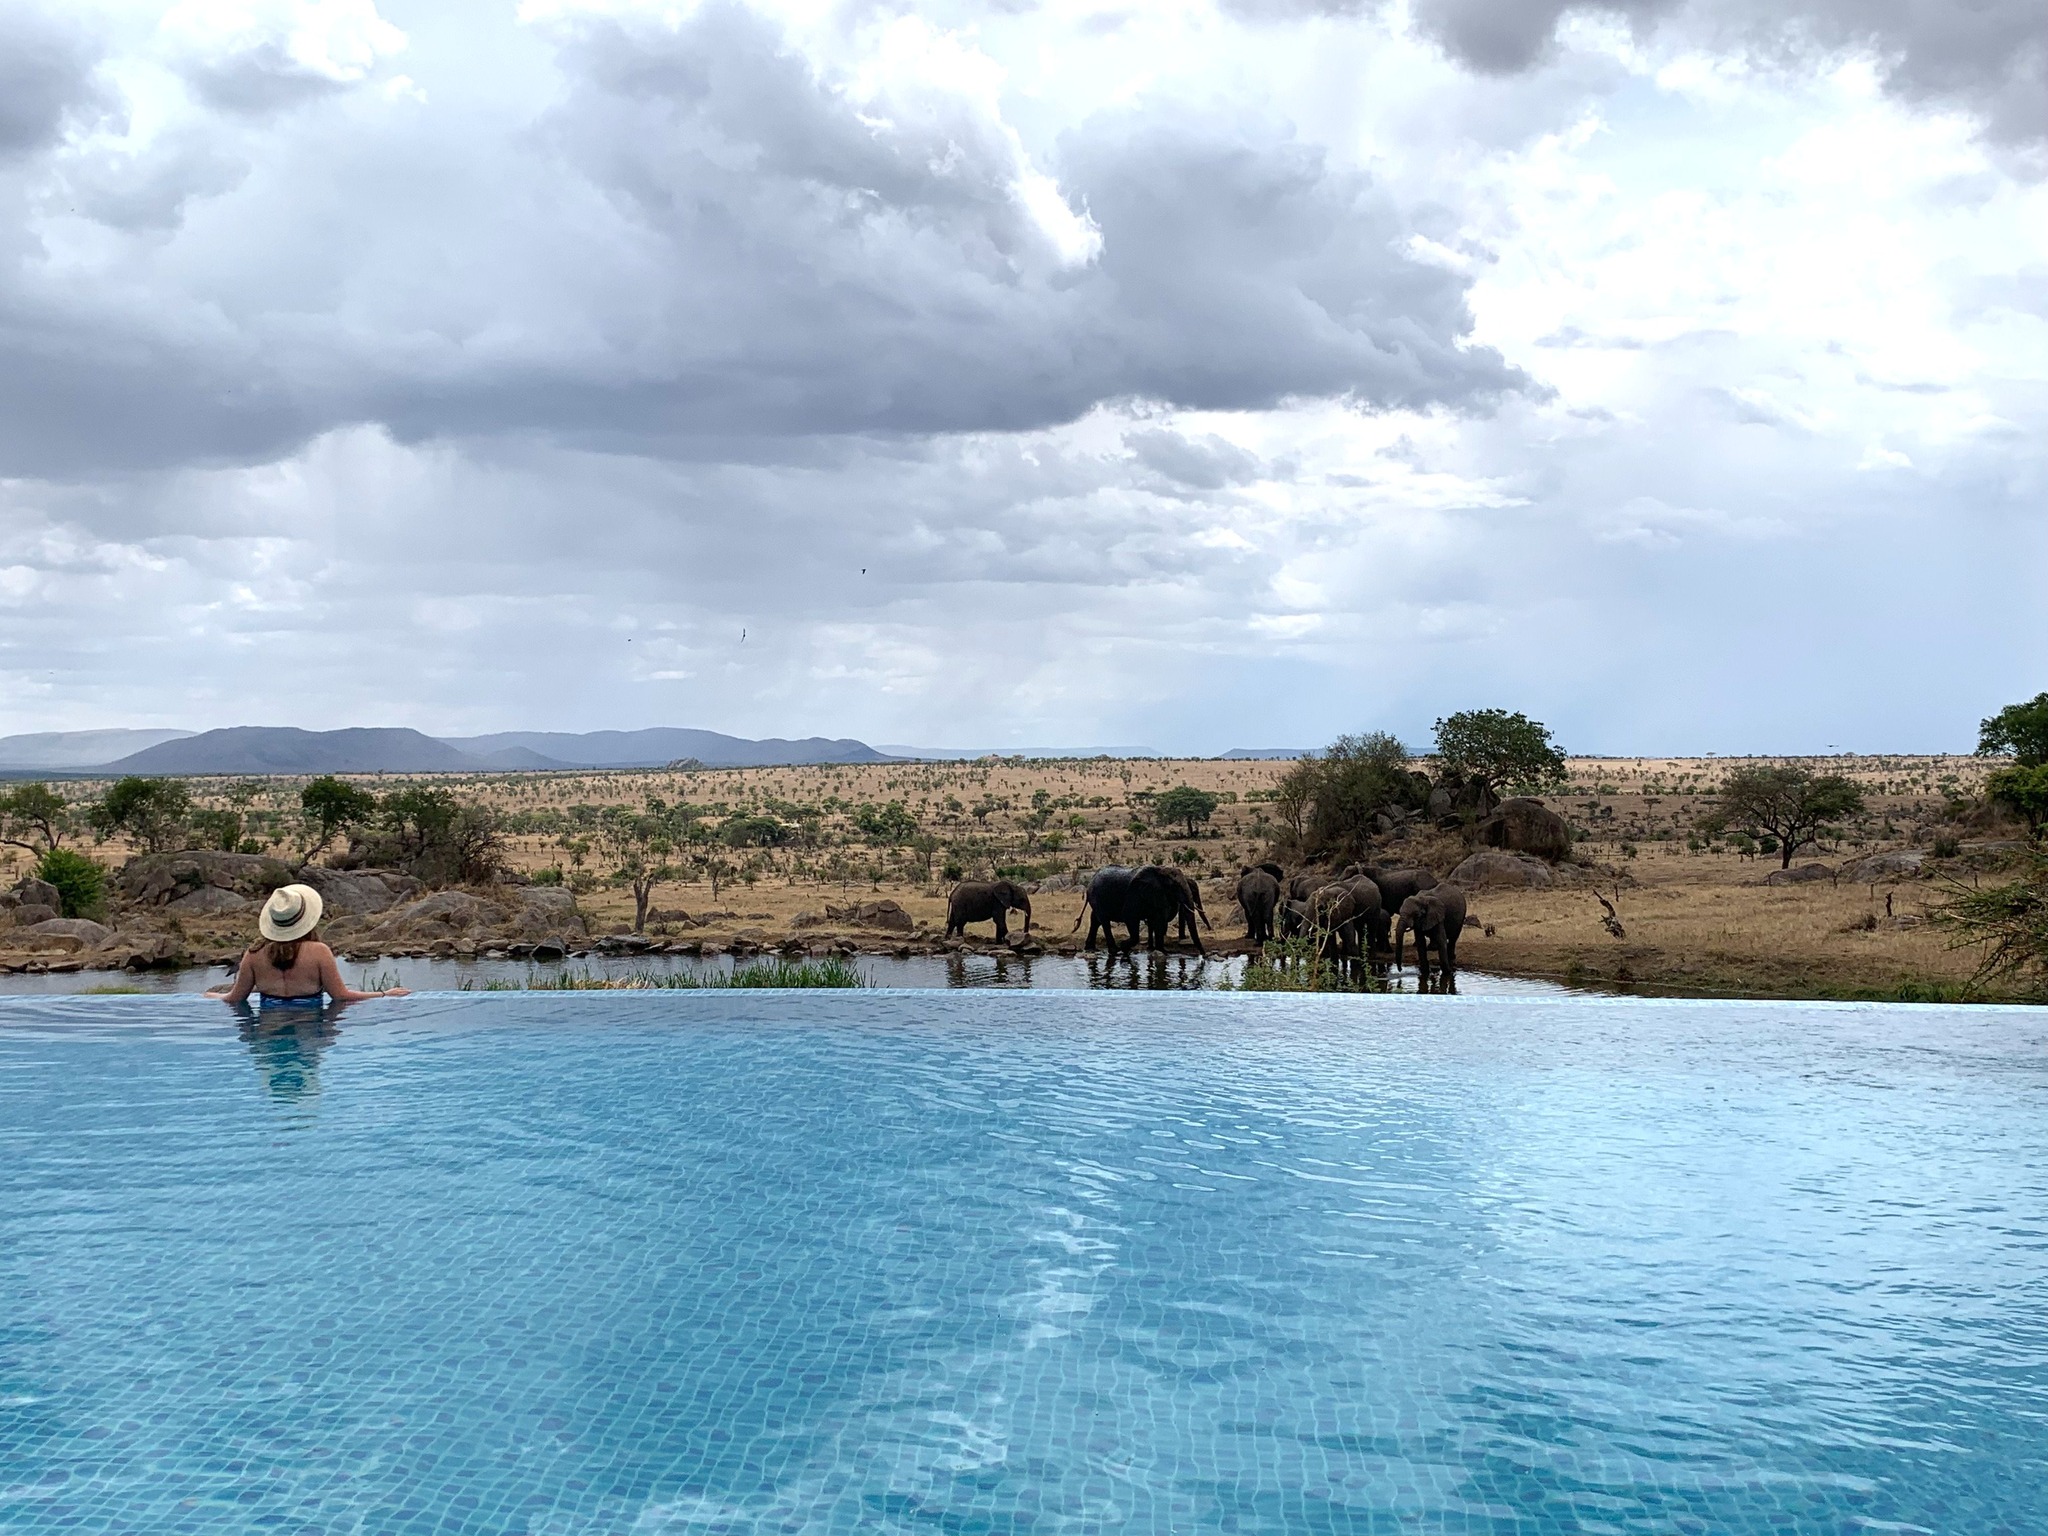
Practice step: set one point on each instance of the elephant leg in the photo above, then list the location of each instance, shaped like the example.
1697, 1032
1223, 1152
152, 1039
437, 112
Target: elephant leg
1002, 928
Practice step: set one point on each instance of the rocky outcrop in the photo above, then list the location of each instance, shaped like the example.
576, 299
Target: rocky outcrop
1524, 825
361, 892
32, 892
1876, 868
533, 914
885, 914
1492, 869
209, 901
158, 879
1800, 874
67, 935
27, 915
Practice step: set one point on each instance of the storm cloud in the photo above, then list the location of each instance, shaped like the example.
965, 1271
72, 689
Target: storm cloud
1210, 378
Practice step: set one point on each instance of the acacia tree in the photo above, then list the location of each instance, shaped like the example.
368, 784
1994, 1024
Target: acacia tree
330, 807
151, 811
34, 817
1792, 804
2024, 792
1185, 804
638, 844
1504, 751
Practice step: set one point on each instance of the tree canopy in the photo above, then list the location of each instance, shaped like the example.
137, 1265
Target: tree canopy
1792, 804
150, 811
1505, 751
1330, 802
2024, 792
34, 817
1187, 805
2019, 731
332, 806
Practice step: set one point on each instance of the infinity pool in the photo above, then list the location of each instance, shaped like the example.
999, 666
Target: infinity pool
991, 1263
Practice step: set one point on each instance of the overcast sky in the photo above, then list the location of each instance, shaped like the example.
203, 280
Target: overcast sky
1196, 376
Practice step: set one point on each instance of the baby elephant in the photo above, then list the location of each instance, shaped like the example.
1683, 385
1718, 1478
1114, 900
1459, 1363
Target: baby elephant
977, 901
1437, 916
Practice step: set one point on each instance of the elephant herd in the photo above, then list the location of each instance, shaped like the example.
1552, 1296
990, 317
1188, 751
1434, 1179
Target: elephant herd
1363, 913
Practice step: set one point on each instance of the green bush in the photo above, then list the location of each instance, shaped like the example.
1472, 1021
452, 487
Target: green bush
81, 884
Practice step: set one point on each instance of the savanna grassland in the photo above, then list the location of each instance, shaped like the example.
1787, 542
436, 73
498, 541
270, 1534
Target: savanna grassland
774, 843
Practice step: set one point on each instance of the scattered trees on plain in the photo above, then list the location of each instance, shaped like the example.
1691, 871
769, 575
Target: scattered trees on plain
1189, 806
1792, 805
153, 813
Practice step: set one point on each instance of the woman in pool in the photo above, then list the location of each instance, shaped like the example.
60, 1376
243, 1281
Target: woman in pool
291, 965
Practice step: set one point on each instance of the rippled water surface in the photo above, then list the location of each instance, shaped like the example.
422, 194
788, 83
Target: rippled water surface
961, 1263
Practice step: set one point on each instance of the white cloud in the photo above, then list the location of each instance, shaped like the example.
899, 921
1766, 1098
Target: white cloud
1010, 375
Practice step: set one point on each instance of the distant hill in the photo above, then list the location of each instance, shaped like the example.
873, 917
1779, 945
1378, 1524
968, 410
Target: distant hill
77, 749
1267, 754
659, 746
286, 749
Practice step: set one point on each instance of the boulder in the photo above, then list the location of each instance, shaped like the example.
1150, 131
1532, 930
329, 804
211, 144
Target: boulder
360, 892
32, 892
808, 920
142, 952
157, 879
208, 901
1492, 869
1800, 874
70, 934
885, 914
1875, 868
1523, 825
28, 915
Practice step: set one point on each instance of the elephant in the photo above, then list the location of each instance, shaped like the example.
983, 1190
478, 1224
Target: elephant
1396, 886
1347, 917
977, 901
1152, 897
1438, 916
1193, 892
1258, 893
1293, 918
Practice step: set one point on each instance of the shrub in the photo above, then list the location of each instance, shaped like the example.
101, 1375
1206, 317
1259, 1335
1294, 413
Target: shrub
81, 884
2010, 923
1330, 801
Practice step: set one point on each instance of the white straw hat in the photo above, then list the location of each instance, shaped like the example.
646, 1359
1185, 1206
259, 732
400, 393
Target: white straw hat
292, 912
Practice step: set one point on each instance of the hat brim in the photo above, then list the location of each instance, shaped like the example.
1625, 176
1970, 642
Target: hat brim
310, 910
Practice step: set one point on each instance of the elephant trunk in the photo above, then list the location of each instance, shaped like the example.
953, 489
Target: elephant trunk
1024, 906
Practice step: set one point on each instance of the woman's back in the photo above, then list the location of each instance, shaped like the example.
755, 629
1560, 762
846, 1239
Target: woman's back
290, 970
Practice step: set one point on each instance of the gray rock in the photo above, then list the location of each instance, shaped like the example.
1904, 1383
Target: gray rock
157, 879
66, 933
1800, 874
1875, 868
29, 914
360, 892
207, 901
1494, 869
32, 892
1523, 825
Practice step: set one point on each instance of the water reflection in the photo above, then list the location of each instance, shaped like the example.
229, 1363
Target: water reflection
286, 1042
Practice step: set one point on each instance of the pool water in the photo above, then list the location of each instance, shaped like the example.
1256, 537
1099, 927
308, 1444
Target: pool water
960, 1263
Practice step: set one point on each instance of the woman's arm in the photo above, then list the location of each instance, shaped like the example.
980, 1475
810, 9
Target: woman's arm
244, 983
332, 984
